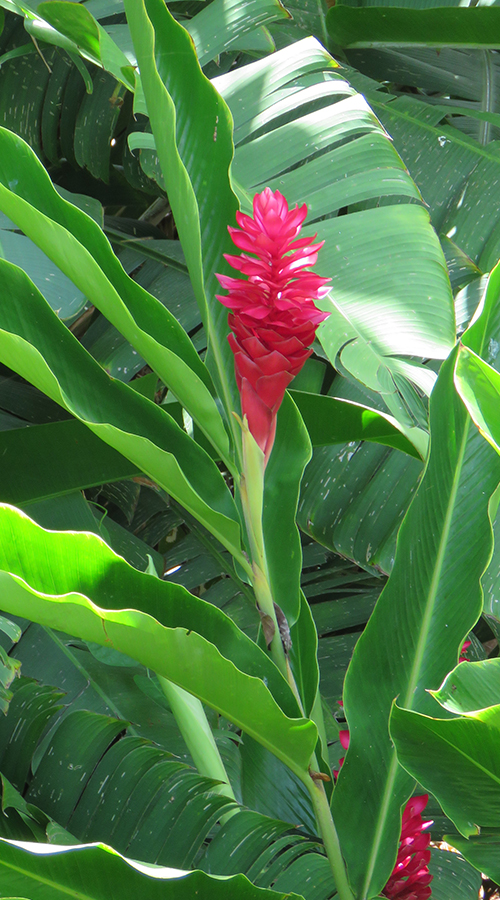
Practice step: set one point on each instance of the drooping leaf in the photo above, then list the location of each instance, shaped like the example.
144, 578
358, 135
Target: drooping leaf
37, 345
77, 245
175, 651
470, 687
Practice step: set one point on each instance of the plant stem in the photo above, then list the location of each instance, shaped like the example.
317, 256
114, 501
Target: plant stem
195, 729
330, 838
252, 501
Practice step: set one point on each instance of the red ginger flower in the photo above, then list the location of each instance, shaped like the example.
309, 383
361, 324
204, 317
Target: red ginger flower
465, 647
273, 319
410, 879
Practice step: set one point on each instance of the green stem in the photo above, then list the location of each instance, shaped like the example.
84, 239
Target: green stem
330, 838
252, 501
195, 729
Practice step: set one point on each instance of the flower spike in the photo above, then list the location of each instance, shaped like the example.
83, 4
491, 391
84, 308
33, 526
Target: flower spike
273, 318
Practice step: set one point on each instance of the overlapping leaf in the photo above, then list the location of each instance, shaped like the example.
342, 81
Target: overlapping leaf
450, 509
52, 359
31, 869
457, 760
194, 164
74, 242
295, 123
174, 650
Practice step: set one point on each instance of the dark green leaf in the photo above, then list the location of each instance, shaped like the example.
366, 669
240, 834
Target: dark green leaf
376, 26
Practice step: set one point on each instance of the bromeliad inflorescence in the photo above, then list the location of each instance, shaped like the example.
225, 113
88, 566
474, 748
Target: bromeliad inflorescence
273, 318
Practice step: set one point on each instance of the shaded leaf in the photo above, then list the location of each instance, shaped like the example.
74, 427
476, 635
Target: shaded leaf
99, 869
456, 760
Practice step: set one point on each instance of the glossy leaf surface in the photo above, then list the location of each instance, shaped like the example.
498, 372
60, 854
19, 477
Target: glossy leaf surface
455, 759
173, 650
470, 687
56, 363
53, 871
282, 139
195, 153
77, 245
437, 603
331, 420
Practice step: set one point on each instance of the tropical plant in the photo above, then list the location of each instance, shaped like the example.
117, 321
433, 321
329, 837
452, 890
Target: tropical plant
118, 380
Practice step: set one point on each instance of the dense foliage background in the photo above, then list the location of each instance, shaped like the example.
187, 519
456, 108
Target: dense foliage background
383, 119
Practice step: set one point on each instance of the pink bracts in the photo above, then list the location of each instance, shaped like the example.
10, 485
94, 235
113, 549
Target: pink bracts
273, 318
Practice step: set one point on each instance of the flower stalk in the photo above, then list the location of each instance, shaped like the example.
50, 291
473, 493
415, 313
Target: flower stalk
330, 838
273, 322
252, 501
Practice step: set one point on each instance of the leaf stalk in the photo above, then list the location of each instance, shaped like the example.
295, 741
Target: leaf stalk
330, 838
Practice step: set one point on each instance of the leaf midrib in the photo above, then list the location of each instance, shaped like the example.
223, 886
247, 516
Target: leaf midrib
412, 682
420, 123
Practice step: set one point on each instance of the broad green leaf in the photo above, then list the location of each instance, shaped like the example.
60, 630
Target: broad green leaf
477, 380
50, 460
58, 290
224, 22
434, 590
78, 25
449, 168
457, 760
470, 687
262, 848
32, 708
479, 386
208, 666
78, 460
100, 871
386, 26
77, 245
482, 850
453, 876
106, 786
78, 744
308, 17
297, 121
353, 499
371, 324
331, 420
457, 80
125, 790
192, 129
36, 344
92, 684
